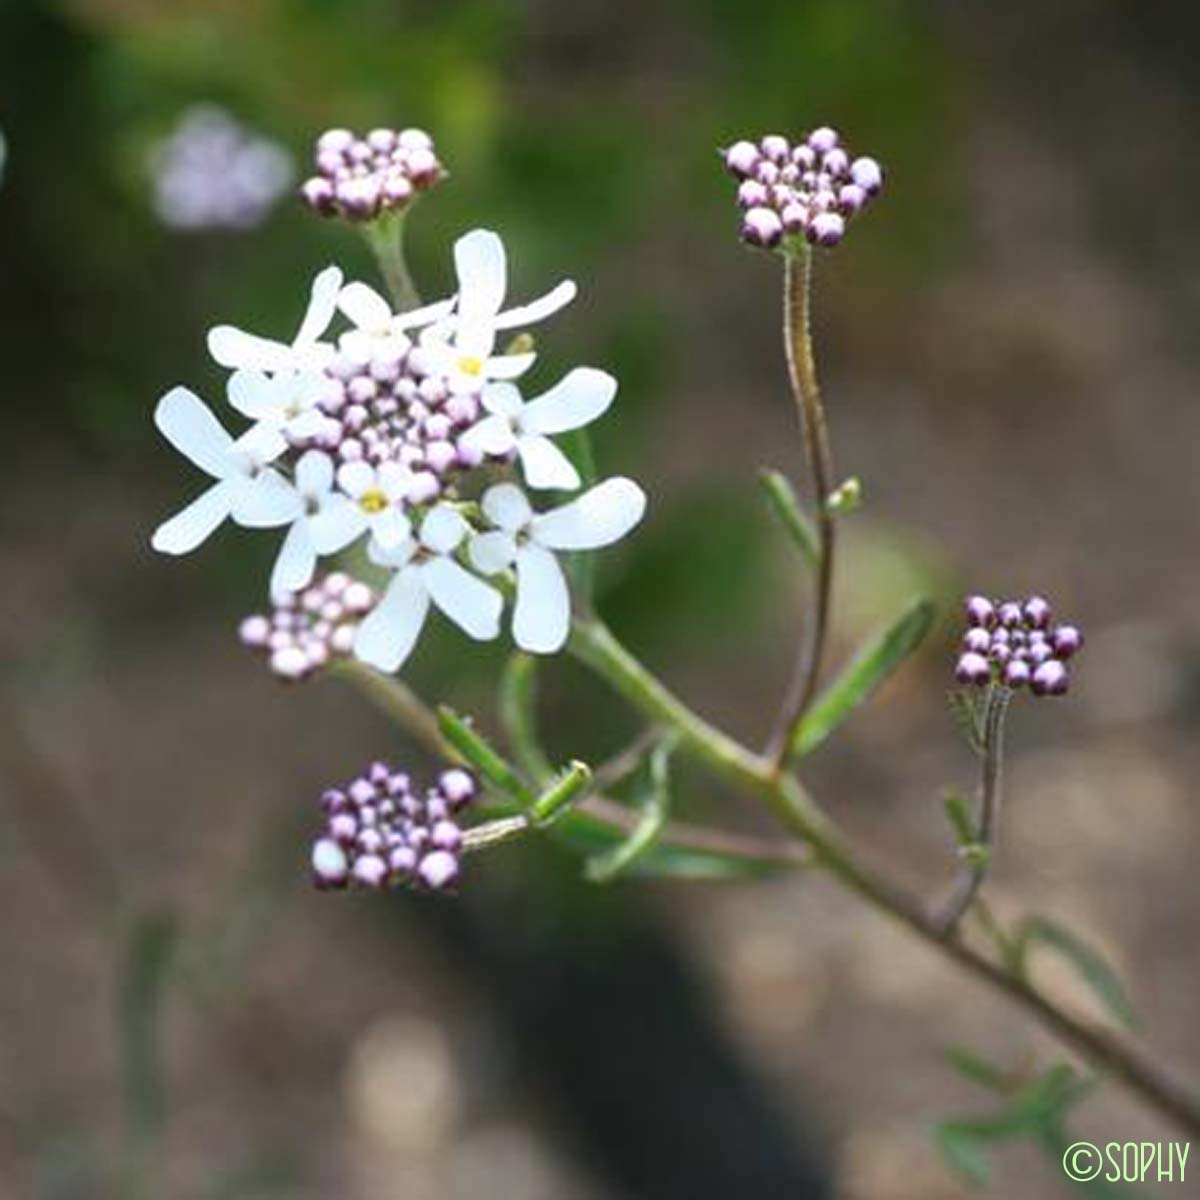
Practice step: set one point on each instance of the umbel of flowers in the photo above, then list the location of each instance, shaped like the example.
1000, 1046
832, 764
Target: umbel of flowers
1015, 643
409, 432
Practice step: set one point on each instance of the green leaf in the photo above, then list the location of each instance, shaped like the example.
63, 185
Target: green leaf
491, 765
516, 704
603, 868
873, 664
560, 795
1093, 968
967, 714
786, 506
977, 1069
963, 1152
958, 813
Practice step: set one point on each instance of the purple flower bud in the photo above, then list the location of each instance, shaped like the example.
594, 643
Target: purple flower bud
445, 835
329, 863
1016, 674
1038, 652
402, 860
751, 194
972, 669
438, 869
836, 163
867, 174
255, 632
826, 229
1037, 611
1000, 652
762, 227
370, 870
343, 827
795, 218
458, 786
335, 141
775, 148
977, 640
1009, 614
823, 140
851, 199
1050, 679
980, 611
1067, 641
741, 159
319, 194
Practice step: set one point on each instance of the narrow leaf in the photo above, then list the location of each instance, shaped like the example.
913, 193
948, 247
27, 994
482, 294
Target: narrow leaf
516, 703
603, 868
786, 506
967, 716
963, 1153
977, 1069
1093, 968
959, 815
555, 800
494, 769
871, 667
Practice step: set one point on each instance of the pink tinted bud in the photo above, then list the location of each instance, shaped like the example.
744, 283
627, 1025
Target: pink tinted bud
1067, 640
851, 199
382, 140
751, 194
445, 835
972, 669
255, 632
336, 141
836, 163
457, 785
741, 159
438, 869
775, 148
318, 193
329, 862
290, 663
823, 140
827, 229
370, 870
795, 218
423, 168
762, 227
1050, 679
867, 174
414, 139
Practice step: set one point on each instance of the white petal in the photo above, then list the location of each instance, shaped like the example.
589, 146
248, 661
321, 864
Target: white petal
234, 348
365, 307
386, 638
492, 552
492, 435
390, 528
338, 523
264, 502
505, 505
354, 478
296, 561
252, 393
443, 529
508, 366
576, 400
322, 303
261, 444
416, 317
473, 606
542, 617
399, 556
189, 425
503, 399
308, 424
545, 465
600, 516
314, 473
539, 309
482, 277
193, 524
393, 479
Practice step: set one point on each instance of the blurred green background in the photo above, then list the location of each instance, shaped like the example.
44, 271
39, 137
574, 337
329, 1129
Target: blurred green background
1008, 347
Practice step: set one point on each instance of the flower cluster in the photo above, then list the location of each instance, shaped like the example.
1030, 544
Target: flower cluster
360, 178
211, 173
809, 190
305, 630
1014, 643
380, 831
396, 432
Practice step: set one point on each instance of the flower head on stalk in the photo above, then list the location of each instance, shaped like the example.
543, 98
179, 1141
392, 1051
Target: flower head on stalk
380, 831
811, 189
1014, 643
360, 178
304, 631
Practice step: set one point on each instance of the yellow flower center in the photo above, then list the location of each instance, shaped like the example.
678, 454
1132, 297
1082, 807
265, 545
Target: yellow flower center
470, 364
373, 501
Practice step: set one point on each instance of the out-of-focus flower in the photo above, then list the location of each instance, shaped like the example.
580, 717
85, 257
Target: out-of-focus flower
380, 831
246, 488
305, 630
521, 537
809, 190
361, 178
426, 573
1012, 643
213, 173
462, 347
232, 347
514, 426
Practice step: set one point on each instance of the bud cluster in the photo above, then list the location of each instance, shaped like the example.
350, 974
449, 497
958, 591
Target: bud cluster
386, 401
360, 178
381, 832
1014, 643
810, 190
305, 630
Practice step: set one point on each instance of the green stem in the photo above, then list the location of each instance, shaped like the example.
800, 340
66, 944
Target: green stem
516, 704
795, 810
385, 236
802, 373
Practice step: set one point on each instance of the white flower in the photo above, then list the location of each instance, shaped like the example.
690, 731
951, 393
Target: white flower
372, 500
376, 327
311, 497
461, 348
286, 401
602, 515
426, 572
246, 488
234, 348
576, 400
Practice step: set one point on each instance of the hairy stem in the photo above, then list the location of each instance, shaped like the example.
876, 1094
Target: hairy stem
385, 236
795, 810
802, 373
977, 857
